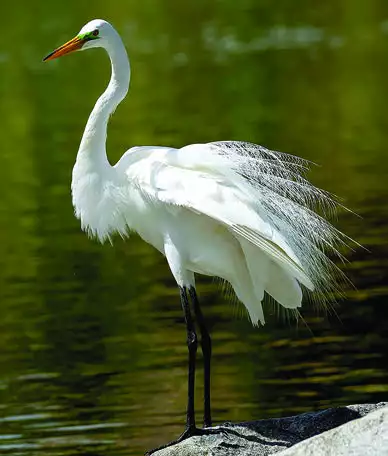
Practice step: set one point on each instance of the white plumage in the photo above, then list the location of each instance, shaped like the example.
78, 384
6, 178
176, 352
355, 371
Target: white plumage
229, 209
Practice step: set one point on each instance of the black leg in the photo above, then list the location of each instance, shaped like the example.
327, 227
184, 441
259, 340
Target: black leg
206, 345
192, 346
192, 343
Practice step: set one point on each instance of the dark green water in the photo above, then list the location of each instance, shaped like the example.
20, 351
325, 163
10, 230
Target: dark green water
92, 343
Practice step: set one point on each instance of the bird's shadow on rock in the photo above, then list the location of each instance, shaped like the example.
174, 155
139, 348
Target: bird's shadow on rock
291, 430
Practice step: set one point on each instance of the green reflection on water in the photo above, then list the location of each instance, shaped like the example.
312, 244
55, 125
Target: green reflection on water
92, 355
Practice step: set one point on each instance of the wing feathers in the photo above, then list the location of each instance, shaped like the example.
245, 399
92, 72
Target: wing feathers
260, 195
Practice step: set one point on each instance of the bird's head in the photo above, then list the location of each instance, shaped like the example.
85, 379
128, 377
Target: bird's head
94, 34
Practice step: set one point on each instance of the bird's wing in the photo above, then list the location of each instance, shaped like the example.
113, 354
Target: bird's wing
198, 179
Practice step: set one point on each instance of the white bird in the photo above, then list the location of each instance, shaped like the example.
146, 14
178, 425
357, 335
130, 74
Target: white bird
229, 209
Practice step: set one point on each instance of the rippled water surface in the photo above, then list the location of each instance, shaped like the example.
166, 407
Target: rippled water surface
92, 342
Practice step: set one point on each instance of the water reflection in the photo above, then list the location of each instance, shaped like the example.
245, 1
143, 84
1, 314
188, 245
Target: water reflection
92, 357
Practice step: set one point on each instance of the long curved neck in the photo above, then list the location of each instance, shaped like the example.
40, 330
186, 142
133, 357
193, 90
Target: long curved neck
92, 150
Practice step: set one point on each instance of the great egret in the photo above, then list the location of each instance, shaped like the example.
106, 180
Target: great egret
230, 209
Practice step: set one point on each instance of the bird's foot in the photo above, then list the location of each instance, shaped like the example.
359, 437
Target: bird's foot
189, 432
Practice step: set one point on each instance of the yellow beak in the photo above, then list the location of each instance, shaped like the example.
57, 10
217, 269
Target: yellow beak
71, 46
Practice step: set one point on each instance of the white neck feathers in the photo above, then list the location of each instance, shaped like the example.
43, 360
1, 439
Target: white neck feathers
92, 147
93, 176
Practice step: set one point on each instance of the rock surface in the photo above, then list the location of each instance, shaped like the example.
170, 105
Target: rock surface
312, 433
363, 437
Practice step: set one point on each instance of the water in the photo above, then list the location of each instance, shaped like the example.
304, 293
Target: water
92, 352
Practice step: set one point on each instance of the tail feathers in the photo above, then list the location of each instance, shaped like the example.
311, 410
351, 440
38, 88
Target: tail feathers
266, 274
263, 273
255, 310
276, 253
258, 266
284, 288
252, 304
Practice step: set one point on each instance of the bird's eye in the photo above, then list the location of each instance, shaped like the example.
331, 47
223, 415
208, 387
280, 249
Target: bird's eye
95, 32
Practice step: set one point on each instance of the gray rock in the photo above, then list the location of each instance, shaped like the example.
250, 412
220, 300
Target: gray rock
367, 436
265, 437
